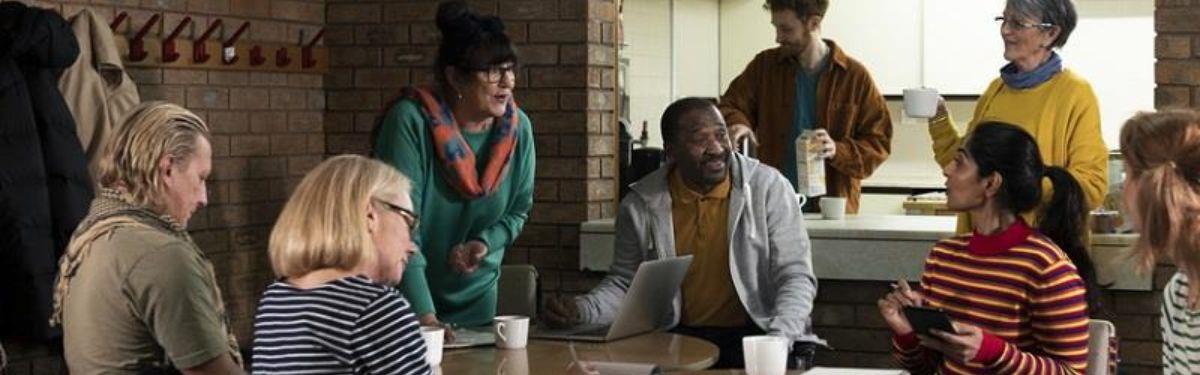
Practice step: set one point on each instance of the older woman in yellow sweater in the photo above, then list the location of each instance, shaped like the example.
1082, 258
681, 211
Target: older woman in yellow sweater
1053, 104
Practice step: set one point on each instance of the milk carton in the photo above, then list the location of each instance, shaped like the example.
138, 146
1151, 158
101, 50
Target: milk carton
810, 166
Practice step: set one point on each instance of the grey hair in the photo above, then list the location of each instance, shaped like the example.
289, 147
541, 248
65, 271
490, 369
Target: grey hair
1059, 13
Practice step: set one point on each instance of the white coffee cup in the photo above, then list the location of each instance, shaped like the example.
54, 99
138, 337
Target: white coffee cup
512, 331
802, 199
833, 208
765, 355
434, 337
920, 102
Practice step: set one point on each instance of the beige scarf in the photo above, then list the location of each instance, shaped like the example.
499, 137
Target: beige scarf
112, 210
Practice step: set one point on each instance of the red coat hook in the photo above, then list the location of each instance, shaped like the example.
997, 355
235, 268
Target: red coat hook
281, 57
137, 46
228, 52
199, 51
306, 53
116, 22
169, 54
256, 56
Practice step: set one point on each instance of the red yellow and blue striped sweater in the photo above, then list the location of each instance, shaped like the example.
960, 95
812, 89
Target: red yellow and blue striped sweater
1017, 286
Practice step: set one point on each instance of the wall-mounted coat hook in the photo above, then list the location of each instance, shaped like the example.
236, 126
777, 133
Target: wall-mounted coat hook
256, 56
169, 54
228, 51
199, 52
281, 57
116, 22
137, 47
306, 53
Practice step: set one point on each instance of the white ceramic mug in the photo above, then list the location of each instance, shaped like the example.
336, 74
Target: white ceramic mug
920, 102
512, 331
434, 337
765, 355
833, 208
802, 199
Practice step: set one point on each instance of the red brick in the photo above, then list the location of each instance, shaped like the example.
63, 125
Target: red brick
381, 34
228, 78
381, 77
572, 145
267, 31
601, 100
339, 78
306, 80
518, 32
1177, 20
288, 98
558, 213
268, 167
339, 35
1141, 352
607, 78
602, 10
249, 98
600, 190
601, 145
304, 122
299, 165
221, 122
572, 9
288, 144
608, 167
298, 11
347, 144
268, 122
212, 241
546, 145
173, 94
249, 8
354, 56
1172, 47
339, 122
355, 99
316, 143
572, 191
250, 145
364, 122
528, 10
541, 54
316, 99
559, 122
558, 31
220, 145
562, 168
252, 238
352, 13
545, 190
207, 97
229, 215
558, 76
208, 6
408, 12
230, 168
425, 33
573, 100
248, 191
268, 79
184, 76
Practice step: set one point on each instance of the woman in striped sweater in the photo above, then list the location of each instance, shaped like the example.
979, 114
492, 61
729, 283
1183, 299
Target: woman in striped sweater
1162, 197
1018, 296
341, 242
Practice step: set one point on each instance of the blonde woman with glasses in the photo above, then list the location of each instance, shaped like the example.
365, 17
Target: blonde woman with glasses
339, 246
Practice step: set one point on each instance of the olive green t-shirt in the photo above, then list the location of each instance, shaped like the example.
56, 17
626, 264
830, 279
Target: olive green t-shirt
141, 298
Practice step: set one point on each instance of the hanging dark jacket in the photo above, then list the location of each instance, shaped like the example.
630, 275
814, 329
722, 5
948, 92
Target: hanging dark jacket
44, 185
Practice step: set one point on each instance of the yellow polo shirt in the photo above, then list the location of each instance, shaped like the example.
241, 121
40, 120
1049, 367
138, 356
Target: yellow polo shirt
702, 230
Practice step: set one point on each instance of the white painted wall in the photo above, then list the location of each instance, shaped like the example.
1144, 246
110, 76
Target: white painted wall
745, 31
647, 25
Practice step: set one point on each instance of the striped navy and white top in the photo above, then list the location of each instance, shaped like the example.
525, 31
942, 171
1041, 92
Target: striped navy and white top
1180, 329
347, 326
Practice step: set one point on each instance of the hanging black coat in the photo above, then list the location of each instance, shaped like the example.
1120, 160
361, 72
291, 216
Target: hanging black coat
44, 185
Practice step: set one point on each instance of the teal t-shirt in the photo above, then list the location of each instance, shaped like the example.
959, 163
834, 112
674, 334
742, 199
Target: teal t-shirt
448, 219
804, 117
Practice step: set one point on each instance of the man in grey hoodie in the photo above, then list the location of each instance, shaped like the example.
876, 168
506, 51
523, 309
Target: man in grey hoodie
751, 271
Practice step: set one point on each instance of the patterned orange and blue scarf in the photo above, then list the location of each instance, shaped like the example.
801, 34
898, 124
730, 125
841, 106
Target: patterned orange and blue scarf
458, 161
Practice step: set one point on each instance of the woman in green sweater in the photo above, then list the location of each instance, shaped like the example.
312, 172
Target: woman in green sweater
469, 152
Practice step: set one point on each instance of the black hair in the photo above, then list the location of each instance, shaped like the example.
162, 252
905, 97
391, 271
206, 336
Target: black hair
669, 124
802, 8
470, 41
1010, 151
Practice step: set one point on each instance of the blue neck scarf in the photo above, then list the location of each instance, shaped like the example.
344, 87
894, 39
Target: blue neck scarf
1023, 80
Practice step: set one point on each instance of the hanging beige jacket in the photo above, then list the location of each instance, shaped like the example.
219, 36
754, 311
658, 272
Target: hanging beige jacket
96, 87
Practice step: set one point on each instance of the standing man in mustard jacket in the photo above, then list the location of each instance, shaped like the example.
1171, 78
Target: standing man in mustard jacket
808, 83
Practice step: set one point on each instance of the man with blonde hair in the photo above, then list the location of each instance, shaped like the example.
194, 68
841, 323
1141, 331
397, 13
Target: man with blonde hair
134, 293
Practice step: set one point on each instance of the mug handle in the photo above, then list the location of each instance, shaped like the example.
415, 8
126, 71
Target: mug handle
500, 331
802, 198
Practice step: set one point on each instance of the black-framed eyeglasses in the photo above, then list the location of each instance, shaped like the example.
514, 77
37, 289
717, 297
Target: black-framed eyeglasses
1014, 24
495, 73
409, 216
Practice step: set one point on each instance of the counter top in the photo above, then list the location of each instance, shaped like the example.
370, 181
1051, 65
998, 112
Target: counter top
884, 247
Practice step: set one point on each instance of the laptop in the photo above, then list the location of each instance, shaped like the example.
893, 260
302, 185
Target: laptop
648, 299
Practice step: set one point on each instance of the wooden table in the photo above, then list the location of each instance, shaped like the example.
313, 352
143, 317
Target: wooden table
671, 352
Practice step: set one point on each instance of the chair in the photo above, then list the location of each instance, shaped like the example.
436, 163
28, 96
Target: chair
1101, 340
518, 290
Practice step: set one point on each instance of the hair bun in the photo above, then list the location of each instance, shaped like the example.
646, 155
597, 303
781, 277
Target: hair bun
454, 18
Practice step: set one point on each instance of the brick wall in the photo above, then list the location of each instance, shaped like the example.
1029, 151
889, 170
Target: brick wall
565, 85
267, 132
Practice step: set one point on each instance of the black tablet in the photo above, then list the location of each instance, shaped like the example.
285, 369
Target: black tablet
923, 319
